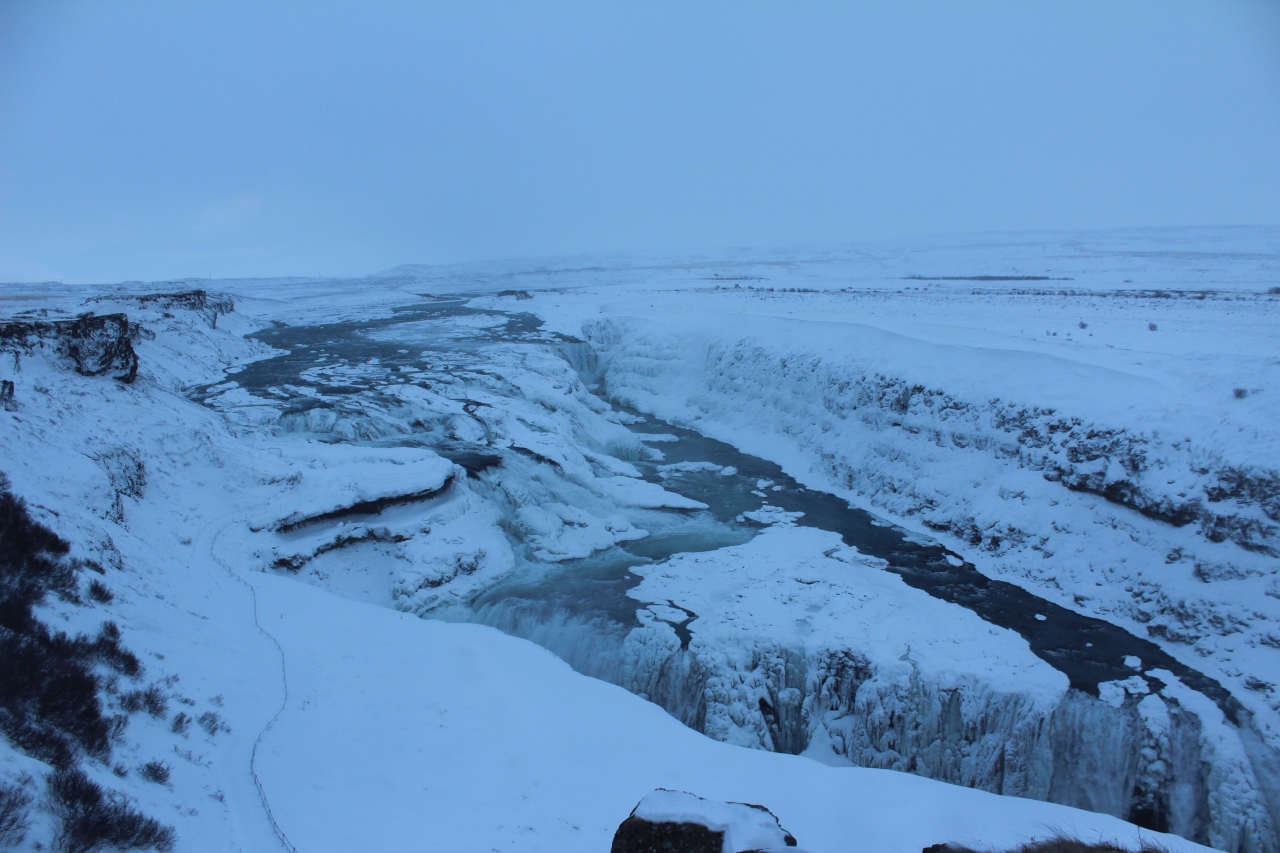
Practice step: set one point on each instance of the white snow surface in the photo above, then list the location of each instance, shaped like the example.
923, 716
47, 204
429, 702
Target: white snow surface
801, 587
376, 729
404, 734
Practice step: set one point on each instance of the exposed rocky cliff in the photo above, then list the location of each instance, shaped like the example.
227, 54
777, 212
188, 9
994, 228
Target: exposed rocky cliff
94, 345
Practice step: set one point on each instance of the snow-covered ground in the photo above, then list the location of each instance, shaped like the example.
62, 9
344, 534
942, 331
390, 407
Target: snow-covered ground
1108, 466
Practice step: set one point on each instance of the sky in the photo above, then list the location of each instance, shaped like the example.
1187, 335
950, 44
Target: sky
149, 140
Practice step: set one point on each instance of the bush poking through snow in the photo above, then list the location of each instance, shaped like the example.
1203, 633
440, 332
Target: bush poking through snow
92, 818
212, 723
180, 723
49, 702
13, 814
98, 592
155, 771
152, 700
49, 705
107, 649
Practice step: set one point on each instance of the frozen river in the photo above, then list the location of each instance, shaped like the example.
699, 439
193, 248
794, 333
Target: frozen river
358, 360
523, 409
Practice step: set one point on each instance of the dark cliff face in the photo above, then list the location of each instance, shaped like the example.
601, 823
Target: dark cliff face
207, 305
95, 345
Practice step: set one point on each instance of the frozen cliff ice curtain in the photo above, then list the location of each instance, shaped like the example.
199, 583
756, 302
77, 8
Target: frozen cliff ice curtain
325, 138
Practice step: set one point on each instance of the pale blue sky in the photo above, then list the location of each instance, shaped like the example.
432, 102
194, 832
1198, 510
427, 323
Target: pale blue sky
156, 140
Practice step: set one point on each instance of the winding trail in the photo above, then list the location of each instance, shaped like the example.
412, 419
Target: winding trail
208, 541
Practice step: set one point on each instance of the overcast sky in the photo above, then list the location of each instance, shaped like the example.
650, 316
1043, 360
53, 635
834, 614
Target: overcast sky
159, 140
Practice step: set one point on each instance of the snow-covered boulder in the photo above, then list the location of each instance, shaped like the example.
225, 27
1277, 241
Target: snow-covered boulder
679, 822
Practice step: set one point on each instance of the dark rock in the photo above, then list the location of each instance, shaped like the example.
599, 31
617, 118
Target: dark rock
95, 345
678, 822
637, 835
370, 507
127, 474
210, 306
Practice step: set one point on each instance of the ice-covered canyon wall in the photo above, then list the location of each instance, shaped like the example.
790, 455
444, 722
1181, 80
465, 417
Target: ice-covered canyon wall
876, 674
1113, 502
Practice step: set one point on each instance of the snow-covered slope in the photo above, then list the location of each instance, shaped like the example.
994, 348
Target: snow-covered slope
455, 737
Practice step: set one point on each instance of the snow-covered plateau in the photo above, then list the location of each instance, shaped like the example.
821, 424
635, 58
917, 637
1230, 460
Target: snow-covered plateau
969, 541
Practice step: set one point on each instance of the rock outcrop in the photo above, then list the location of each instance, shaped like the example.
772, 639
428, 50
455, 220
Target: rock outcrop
96, 345
679, 822
210, 306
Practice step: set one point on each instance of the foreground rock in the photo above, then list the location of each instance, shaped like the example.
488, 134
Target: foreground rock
679, 822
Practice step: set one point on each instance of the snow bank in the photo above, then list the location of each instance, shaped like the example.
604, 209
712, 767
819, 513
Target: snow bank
794, 631
401, 733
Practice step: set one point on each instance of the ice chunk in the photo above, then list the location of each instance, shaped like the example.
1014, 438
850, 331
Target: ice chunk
769, 514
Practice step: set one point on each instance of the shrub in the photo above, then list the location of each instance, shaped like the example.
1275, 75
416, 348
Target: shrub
49, 702
91, 818
1240, 393
152, 700
212, 723
107, 649
98, 592
155, 771
13, 814
180, 723
49, 690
